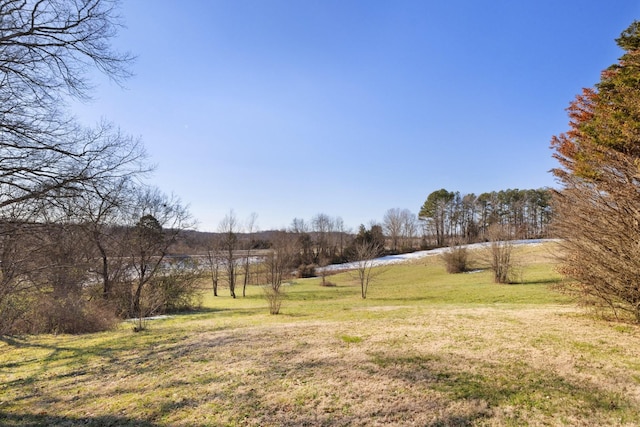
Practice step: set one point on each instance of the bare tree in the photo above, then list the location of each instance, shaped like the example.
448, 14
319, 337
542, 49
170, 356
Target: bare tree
46, 51
409, 223
229, 229
343, 233
63, 236
298, 225
101, 205
214, 257
60, 249
306, 257
322, 226
160, 219
50, 255
392, 223
500, 253
277, 265
48, 46
17, 287
363, 255
400, 226
246, 267
73, 183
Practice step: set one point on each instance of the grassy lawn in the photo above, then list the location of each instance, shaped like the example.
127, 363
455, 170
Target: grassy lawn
425, 348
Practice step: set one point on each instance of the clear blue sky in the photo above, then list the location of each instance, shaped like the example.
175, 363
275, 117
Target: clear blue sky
293, 108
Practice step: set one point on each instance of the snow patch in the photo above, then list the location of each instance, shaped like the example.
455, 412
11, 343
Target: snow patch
402, 258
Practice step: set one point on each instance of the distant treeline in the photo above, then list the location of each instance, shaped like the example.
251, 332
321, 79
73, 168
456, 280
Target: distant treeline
446, 217
450, 217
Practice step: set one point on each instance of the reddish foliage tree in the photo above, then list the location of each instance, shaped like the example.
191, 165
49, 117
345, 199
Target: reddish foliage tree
598, 208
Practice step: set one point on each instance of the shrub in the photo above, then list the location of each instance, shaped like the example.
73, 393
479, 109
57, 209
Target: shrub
274, 294
456, 259
306, 270
70, 314
499, 251
178, 289
14, 309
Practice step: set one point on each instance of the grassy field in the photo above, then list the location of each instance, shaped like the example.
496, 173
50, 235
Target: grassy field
425, 348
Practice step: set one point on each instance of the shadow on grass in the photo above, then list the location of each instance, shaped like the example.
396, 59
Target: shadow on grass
14, 341
410, 301
550, 281
316, 296
232, 311
197, 311
284, 313
55, 349
514, 386
24, 420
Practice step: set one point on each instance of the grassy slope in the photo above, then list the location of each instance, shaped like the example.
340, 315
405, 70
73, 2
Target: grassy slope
425, 348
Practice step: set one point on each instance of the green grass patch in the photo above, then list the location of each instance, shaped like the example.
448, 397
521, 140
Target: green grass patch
350, 339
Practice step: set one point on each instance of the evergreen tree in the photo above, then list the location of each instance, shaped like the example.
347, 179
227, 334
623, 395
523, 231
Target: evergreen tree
598, 208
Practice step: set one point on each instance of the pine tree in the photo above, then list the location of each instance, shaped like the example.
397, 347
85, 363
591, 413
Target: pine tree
598, 208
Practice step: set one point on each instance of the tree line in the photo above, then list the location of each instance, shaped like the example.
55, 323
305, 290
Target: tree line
451, 217
307, 246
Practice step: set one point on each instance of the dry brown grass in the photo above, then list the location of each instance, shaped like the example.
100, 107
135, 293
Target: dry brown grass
475, 366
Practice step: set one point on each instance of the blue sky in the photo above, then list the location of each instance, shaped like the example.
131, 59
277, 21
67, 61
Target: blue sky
293, 108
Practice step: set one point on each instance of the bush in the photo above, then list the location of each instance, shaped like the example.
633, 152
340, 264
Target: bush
14, 308
306, 270
274, 294
178, 289
70, 314
500, 250
456, 259
175, 287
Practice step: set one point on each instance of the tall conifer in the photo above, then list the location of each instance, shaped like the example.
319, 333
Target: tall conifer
598, 208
